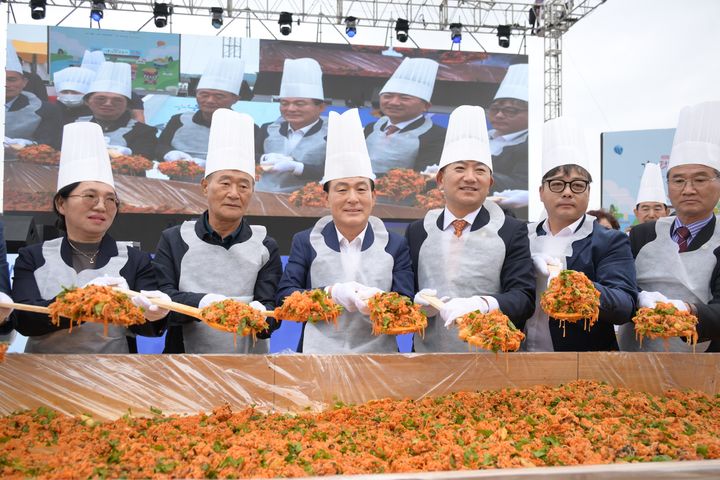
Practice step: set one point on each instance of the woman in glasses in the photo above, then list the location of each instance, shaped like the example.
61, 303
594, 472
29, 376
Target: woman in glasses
570, 239
86, 204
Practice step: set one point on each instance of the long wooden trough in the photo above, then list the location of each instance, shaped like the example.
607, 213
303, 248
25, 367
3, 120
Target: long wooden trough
106, 386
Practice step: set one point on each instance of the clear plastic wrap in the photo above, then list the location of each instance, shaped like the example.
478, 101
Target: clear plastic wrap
106, 386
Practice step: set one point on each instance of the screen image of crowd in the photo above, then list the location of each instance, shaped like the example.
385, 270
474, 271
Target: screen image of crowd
154, 101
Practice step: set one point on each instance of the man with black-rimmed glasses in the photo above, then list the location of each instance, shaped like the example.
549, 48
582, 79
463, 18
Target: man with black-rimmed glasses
676, 258
571, 239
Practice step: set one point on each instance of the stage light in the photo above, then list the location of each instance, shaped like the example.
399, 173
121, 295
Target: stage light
217, 17
350, 26
402, 27
96, 12
503, 35
161, 12
37, 9
456, 32
285, 22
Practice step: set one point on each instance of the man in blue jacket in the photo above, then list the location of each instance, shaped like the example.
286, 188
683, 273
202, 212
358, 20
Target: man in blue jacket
570, 239
348, 253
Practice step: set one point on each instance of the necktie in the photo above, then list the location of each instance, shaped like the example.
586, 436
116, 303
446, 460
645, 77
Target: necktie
684, 234
391, 129
459, 225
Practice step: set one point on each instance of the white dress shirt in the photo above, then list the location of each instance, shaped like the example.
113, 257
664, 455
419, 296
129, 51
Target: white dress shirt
350, 252
498, 142
401, 125
448, 218
294, 136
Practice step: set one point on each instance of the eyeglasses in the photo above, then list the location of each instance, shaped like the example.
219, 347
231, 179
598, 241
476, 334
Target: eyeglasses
90, 200
576, 186
679, 183
506, 111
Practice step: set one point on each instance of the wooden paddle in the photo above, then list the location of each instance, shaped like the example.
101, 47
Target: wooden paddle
179, 307
25, 307
434, 302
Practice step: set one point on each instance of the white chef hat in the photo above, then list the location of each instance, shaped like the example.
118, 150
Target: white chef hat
224, 74
84, 156
302, 78
652, 188
515, 83
467, 137
78, 79
563, 144
93, 60
697, 137
414, 76
113, 78
13, 62
346, 154
231, 145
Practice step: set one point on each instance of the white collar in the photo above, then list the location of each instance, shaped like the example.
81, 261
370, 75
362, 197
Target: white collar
344, 241
509, 137
304, 129
448, 218
401, 125
565, 232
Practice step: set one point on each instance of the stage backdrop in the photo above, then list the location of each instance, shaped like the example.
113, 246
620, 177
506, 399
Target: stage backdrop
166, 69
624, 155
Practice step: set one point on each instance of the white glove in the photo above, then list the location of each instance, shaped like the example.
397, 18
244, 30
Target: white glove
649, 299
512, 198
431, 170
210, 298
258, 306
541, 262
457, 307
280, 163
364, 293
174, 155
152, 311
679, 304
345, 294
108, 281
23, 142
120, 149
5, 311
430, 311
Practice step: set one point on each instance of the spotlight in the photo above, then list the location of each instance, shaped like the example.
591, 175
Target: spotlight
350, 26
503, 35
217, 17
285, 22
96, 12
161, 12
456, 32
402, 27
37, 9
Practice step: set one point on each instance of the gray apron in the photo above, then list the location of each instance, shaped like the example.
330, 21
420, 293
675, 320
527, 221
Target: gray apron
353, 333
458, 267
661, 268
399, 150
231, 272
23, 123
310, 150
88, 337
537, 328
117, 136
191, 138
